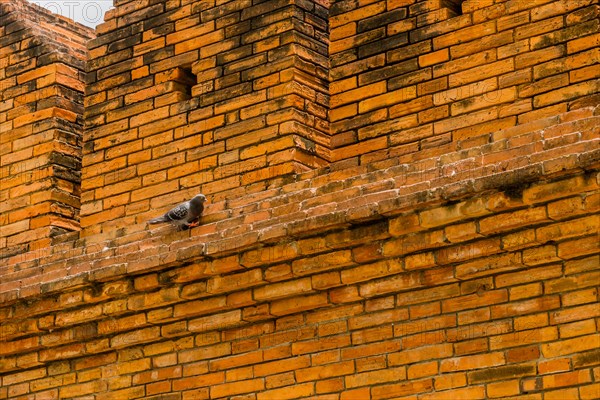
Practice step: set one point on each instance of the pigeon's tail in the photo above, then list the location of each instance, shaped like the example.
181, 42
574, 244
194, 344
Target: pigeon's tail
158, 220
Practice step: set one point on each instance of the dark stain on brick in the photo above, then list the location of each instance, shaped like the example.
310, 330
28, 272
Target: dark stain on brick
501, 373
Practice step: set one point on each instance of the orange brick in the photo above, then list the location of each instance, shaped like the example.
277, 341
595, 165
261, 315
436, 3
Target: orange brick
472, 362
355, 394
579, 297
401, 389
473, 392
570, 346
228, 389
525, 291
556, 365
370, 349
574, 248
525, 306
420, 354
325, 371
589, 391
329, 386
375, 377
513, 220
452, 380
474, 300
423, 370
574, 314
470, 347
297, 391
358, 94
283, 289
253, 117
320, 345
578, 328
523, 337
551, 191
566, 379
296, 304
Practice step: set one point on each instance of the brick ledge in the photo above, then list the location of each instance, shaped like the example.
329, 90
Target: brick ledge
310, 205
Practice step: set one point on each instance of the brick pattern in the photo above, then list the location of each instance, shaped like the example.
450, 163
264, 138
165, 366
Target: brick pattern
478, 283
42, 60
456, 261
219, 98
409, 75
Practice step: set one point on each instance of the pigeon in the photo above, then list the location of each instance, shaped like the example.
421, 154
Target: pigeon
185, 215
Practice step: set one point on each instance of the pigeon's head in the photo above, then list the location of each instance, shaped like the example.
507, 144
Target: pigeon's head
200, 197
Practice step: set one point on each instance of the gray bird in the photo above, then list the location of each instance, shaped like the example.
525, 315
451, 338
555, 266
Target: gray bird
185, 215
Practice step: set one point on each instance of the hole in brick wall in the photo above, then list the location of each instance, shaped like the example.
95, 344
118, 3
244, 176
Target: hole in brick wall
454, 6
187, 78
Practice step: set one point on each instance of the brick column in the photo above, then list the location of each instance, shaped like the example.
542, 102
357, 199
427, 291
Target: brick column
42, 58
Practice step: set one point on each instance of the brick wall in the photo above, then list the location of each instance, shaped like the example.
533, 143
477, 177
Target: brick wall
453, 262
412, 76
42, 59
218, 98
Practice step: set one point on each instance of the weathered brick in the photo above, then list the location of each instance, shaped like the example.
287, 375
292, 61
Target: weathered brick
570, 346
444, 131
295, 304
325, 371
401, 389
474, 300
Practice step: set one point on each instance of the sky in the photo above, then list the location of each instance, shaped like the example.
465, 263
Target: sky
86, 12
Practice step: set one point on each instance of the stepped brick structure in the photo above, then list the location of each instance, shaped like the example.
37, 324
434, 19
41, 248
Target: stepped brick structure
403, 200
41, 83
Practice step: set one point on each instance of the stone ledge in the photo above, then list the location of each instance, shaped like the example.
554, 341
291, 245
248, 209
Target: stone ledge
312, 204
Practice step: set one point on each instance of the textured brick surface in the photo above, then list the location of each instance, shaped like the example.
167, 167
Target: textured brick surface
438, 240
202, 95
42, 63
